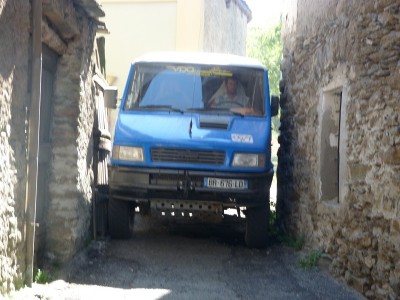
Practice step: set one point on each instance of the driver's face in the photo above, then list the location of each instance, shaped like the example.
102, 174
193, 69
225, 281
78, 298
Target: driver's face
231, 86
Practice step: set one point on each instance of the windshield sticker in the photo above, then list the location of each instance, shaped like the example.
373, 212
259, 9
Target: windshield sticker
242, 138
204, 73
216, 72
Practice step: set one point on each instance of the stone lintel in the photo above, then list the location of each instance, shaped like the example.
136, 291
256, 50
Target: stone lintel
52, 39
392, 155
358, 171
58, 14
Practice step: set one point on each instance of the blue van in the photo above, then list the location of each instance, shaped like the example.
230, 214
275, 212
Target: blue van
192, 140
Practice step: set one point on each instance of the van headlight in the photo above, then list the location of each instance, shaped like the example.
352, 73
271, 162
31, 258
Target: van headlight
128, 153
252, 160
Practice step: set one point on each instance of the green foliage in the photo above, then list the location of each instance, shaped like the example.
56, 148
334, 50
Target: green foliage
272, 214
266, 46
281, 237
41, 276
19, 283
294, 243
311, 260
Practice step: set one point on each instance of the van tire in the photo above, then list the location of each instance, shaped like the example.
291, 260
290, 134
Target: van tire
120, 218
257, 222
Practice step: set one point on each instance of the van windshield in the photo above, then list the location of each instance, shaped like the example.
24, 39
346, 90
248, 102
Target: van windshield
183, 87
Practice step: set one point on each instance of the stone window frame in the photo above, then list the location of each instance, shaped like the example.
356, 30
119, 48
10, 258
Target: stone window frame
338, 84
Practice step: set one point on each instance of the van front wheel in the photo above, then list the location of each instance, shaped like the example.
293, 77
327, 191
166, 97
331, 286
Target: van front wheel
257, 221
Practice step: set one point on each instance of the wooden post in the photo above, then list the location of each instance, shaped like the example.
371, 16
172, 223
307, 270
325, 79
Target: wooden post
33, 138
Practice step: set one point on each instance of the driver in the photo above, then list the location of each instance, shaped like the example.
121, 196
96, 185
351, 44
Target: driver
230, 98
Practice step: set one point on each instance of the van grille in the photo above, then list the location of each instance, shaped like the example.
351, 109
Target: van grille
203, 157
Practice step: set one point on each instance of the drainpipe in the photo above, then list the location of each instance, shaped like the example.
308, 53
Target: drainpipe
33, 138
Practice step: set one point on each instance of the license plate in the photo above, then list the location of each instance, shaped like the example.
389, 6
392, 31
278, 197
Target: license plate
222, 183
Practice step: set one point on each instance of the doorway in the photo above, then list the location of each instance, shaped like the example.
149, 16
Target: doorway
49, 67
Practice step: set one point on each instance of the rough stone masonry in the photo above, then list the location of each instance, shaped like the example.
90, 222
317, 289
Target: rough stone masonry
339, 156
68, 30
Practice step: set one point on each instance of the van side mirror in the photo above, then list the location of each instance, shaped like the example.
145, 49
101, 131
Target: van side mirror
274, 105
110, 96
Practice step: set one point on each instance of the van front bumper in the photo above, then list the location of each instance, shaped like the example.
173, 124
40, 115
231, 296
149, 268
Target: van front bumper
145, 184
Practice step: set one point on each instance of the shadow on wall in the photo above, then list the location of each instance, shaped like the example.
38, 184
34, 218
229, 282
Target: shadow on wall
284, 173
14, 53
8, 45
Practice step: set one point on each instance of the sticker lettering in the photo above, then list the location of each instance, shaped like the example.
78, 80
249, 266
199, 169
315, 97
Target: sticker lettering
242, 138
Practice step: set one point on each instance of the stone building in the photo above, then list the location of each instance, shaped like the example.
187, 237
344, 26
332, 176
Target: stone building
339, 156
170, 25
50, 85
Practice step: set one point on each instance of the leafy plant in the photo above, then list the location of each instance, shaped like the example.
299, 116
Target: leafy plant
294, 243
266, 46
310, 260
41, 276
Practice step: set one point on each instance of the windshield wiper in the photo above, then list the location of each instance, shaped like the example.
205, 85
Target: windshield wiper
237, 113
218, 110
197, 109
159, 107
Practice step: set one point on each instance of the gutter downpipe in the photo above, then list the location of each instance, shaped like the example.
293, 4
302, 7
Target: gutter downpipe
33, 138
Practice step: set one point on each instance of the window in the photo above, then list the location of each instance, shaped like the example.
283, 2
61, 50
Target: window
330, 145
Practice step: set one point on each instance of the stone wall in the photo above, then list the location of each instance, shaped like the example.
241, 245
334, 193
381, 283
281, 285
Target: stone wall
71, 175
225, 26
68, 28
14, 51
343, 54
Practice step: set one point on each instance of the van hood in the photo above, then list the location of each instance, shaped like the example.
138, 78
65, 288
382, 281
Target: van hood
192, 131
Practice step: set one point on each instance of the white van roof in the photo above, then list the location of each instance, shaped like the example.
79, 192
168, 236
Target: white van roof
201, 58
